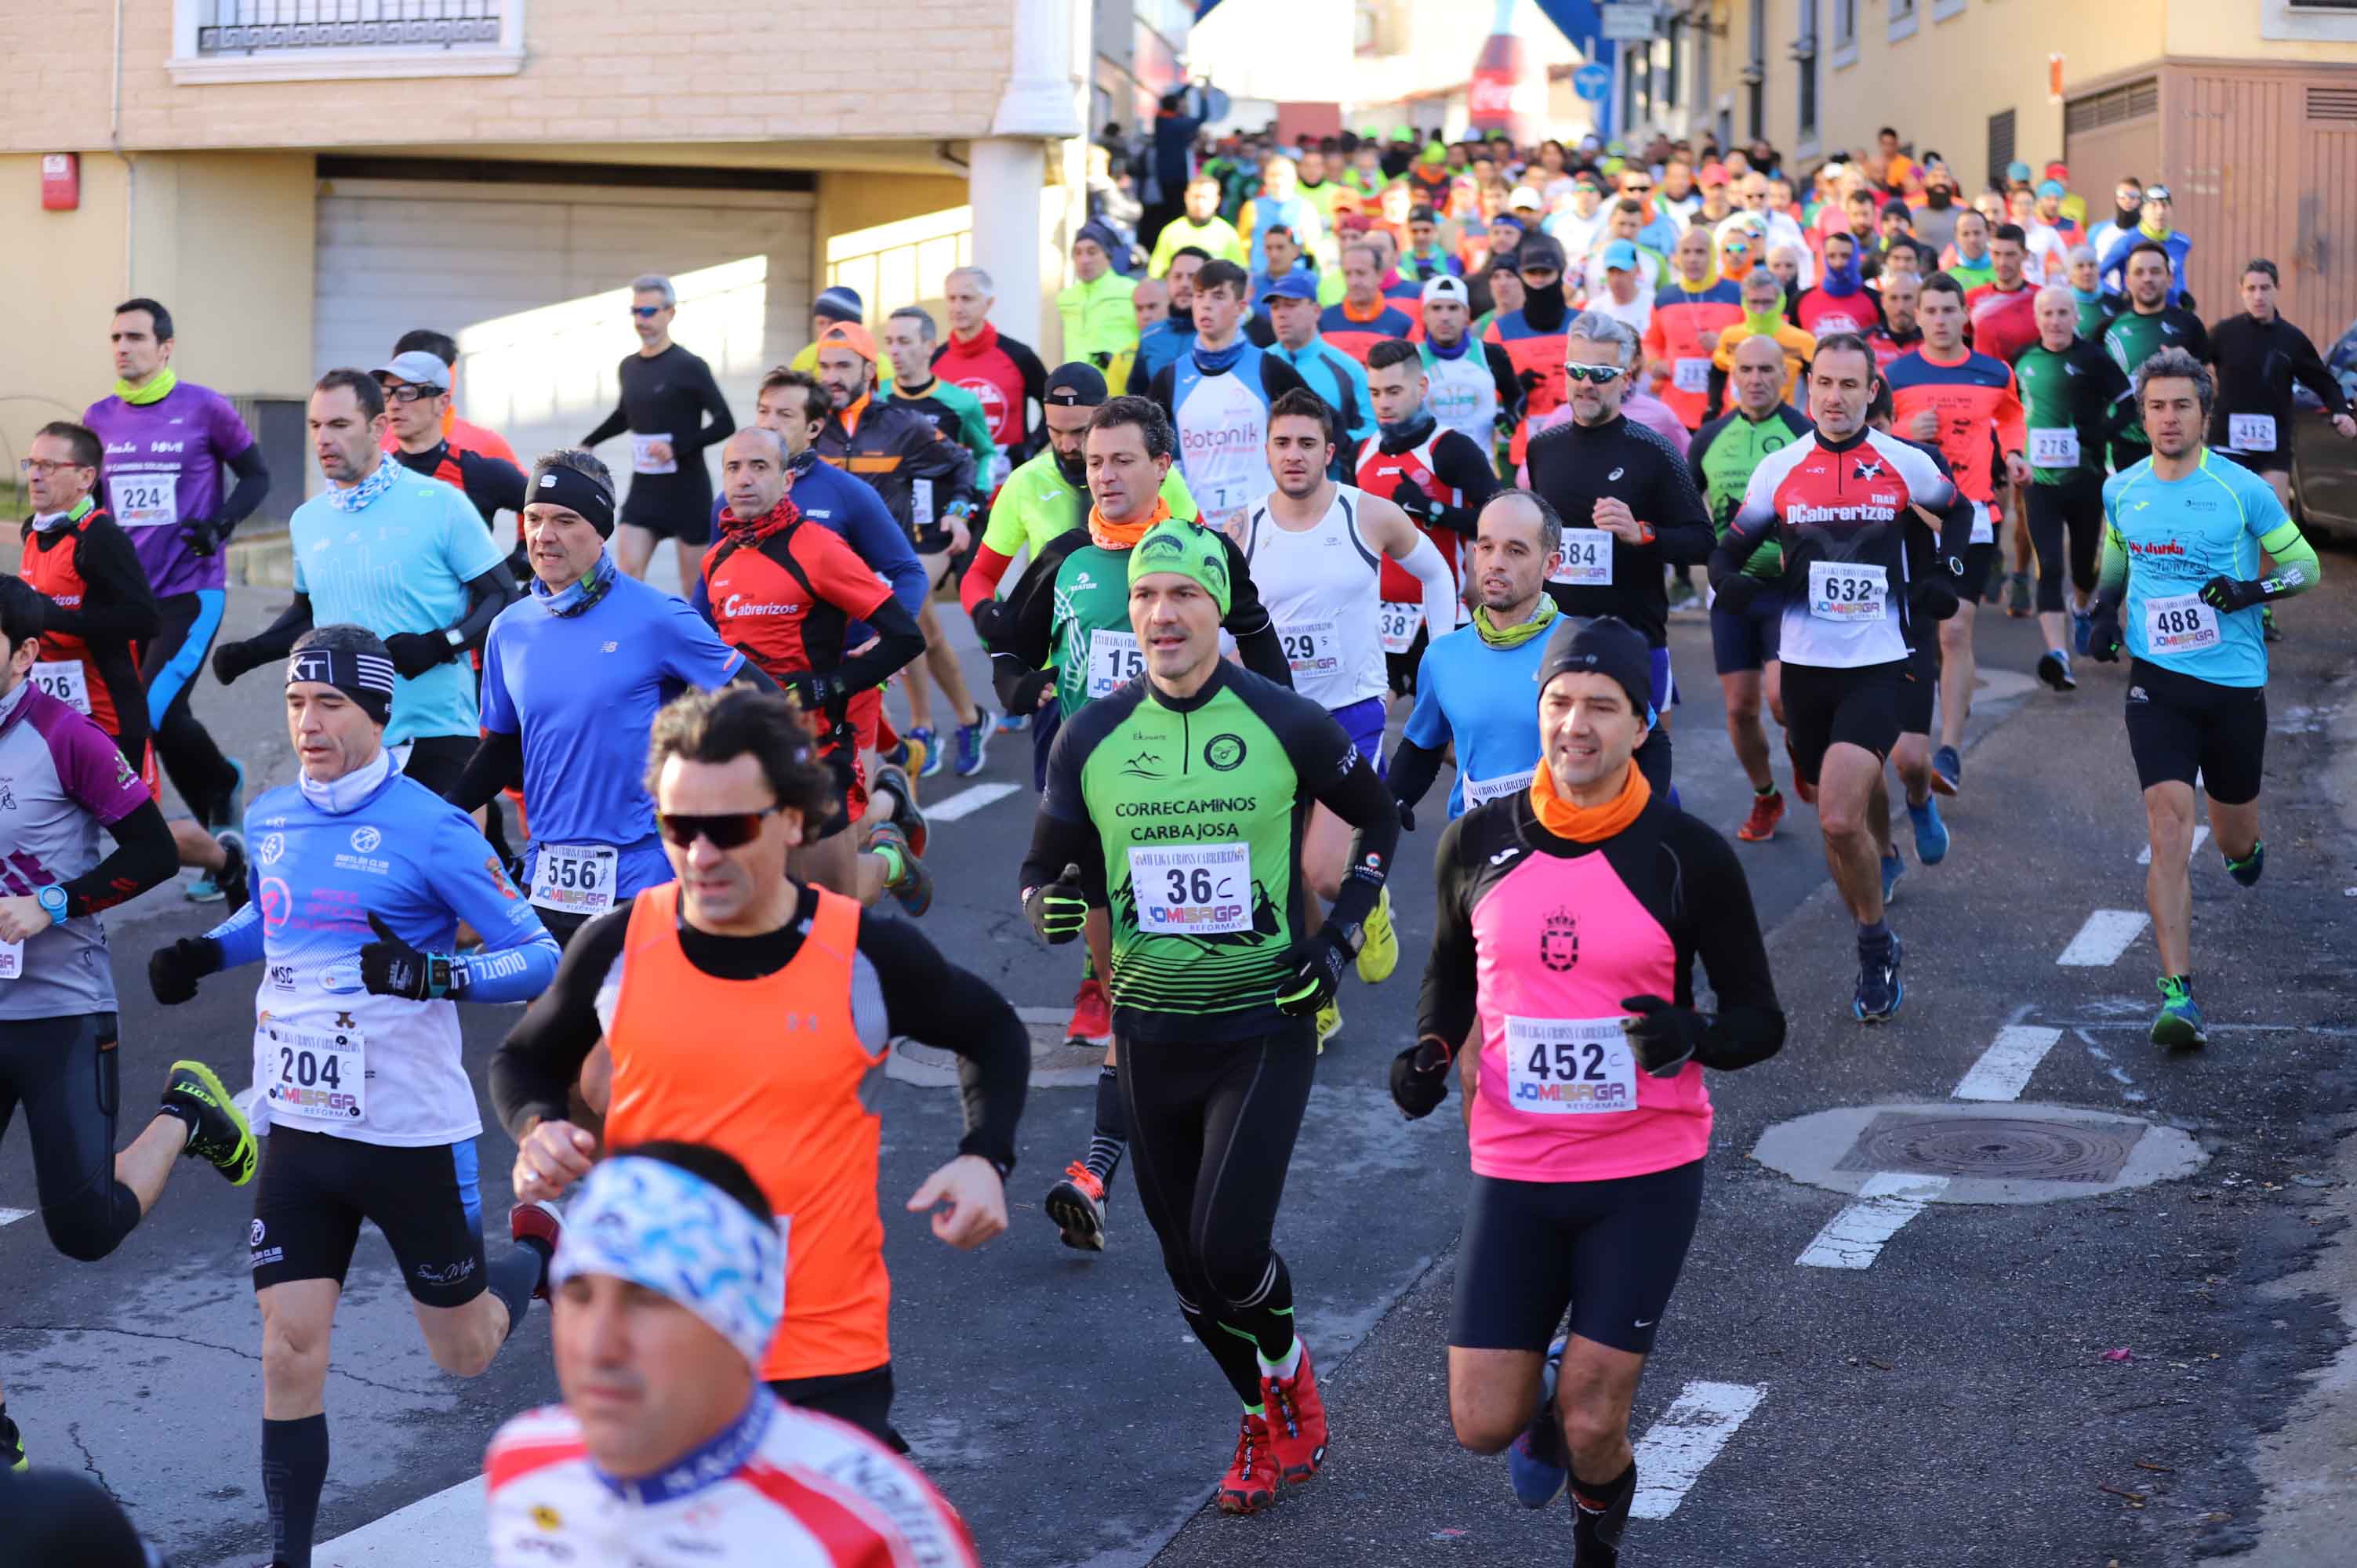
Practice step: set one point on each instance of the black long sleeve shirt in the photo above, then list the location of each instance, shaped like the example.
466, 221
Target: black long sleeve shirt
1574, 466
671, 395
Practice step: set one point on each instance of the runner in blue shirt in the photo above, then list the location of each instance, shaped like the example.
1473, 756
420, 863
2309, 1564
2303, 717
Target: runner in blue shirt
1333, 374
1474, 684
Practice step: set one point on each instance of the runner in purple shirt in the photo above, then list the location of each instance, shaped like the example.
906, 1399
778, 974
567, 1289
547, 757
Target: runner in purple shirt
167, 442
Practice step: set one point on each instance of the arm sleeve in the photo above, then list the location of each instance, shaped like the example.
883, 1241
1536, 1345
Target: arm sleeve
1444, 1009
2111, 571
1248, 621
718, 424
884, 544
1335, 774
1022, 632
533, 1069
1502, 373
1682, 532
518, 957
1412, 768
1460, 463
982, 577
1747, 1026
1424, 564
1277, 378
277, 639
144, 857
2309, 369
116, 602
1058, 841
2296, 569
1162, 389
497, 764
241, 936
493, 485
935, 1003
898, 641
487, 595
1753, 524
973, 434
1035, 396
613, 424
2012, 431
252, 483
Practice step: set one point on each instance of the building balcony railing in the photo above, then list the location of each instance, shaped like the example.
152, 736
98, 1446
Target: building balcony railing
282, 40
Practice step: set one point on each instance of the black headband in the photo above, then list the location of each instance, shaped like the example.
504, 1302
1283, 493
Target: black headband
365, 677
576, 491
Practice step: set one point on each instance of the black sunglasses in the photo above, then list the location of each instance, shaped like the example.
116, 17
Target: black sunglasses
726, 830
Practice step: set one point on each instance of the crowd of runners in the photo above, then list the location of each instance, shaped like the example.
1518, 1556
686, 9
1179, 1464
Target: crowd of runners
1363, 462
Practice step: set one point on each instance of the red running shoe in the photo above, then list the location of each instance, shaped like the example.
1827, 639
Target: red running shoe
1250, 1484
1766, 810
538, 1222
1297, 1423
1092, 1022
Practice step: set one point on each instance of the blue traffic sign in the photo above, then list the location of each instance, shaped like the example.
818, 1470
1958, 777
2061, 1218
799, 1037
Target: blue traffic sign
1591, 83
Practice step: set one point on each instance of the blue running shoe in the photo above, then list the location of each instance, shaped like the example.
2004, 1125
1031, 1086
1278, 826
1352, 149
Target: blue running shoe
1947, 770
926, 757
1535, 1462
2246, 870
2179, 1027
2083, 630
1893, 868
1014, 723
973, 743
1931, 833
1878, 991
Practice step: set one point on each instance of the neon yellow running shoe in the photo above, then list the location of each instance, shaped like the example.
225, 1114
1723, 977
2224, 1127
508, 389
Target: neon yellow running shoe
218, 1133
1330, 1023
1379, 952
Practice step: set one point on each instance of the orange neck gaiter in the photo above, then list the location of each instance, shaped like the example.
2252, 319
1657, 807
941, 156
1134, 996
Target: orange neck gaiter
1121, 535
1588, 824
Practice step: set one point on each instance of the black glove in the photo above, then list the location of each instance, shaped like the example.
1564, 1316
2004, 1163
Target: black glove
390, 967
204, 534
173, 971
1058, 911
415, 652
1313, 970
1407, 815
2226, 595
1664, 1036
1933, 596
1420, 1078
1738, 592
231, 660
1507, 419
1410, 497
818, 691
985, 618
2105, 637
1530, 381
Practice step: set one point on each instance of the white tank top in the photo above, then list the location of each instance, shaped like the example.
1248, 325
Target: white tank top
1320, 587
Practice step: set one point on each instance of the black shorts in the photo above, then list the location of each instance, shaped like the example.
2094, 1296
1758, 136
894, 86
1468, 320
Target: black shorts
1608, 1250
2066, 528
861, 1399
1824, 706
1976, 569
1921, 686
2180, 725
437, 761
316, 1188
669, 510
1747, 638
2275, 462
1399, 669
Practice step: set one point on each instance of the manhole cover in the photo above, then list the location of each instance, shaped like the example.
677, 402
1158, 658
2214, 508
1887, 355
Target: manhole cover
1054, 1063
2000, 1149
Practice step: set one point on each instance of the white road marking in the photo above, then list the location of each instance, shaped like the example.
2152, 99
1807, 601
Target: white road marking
2108, 934
966, 802
1852, 1239
2005, 1068
1682, 1443
10, 1216
2144, 855
451, 1526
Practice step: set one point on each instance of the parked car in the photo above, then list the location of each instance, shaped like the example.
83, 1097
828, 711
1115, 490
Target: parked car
2323, 466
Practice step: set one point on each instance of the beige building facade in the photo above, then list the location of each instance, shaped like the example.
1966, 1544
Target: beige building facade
299, 193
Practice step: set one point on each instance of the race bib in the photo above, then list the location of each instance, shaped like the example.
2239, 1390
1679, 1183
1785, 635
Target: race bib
315, 1075
12, 960
2180, 623
1847, 593
2054, 448
921, 503
1569, 1067
1481, 791
1395, 624
574, 878
1115, 660
66, 680
1192, 890
145, 501
1585, 560
1691, 376
2250, 431
643, 459
1001, 465
1309, 648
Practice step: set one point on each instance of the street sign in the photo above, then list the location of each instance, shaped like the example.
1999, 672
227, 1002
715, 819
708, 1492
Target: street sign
1591, 83
1632, 20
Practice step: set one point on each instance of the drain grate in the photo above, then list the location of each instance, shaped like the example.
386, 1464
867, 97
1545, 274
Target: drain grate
1993, 1148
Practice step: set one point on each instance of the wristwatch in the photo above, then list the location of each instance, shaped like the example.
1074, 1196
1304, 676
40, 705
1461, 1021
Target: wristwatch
452, 636
53, 900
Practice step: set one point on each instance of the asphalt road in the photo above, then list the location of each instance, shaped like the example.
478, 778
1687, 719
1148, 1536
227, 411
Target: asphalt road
1951, 1403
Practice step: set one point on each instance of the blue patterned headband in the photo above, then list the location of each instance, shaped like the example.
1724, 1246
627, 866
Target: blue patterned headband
648, 1222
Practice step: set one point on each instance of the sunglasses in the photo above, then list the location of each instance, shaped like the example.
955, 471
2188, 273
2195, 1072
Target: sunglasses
648, 312
1602, 375
726, 830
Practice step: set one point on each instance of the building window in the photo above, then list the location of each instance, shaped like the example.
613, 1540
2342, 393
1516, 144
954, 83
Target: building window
1902, 19
2000, 144
1804, 56
1845, 33
298, 40
2116, 106
2319, 21
1943, 9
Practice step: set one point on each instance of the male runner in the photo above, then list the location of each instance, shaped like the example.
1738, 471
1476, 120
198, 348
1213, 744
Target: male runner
1363, 317
1162, 345
1216, 396
1628, 508
1570, 916
1184, 795
956, 413
1837, 503
667, 1288
361, 877
1470, 384
1964, 402
2002, 322
167, 444
1725, 455
1840, 302
1690, 313
2073, 400
1763, 316
1900, 332
1338, 378
404, 556
67, 783
1200, 227
1434, 472
2182, 582
673, 409
463, 434
2153, 228
1064, 636
1532, 334
2256, 355
761, 961
2148, 324
928, 483
1472, 684
417, 402
1320, 548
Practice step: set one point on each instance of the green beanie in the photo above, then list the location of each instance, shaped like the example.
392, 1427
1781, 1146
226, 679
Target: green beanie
1188, 548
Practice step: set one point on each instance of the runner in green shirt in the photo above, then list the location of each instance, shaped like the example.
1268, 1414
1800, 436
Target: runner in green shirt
2148, 326
2074, 400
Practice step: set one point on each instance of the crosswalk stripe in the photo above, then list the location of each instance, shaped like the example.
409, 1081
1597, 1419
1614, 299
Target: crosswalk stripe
966, 802
1854, 1238
2108, 934
2004, 1069
10, 1216
1685, 1439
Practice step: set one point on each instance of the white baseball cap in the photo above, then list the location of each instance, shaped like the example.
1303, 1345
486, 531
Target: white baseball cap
1447, 287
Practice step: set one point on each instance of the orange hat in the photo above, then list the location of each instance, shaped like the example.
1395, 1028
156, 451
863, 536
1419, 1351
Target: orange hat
852, 336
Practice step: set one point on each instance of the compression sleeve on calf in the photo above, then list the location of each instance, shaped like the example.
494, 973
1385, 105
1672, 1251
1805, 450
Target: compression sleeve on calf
2296, 569
1424, 564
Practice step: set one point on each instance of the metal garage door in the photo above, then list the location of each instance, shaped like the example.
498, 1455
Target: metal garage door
532, 280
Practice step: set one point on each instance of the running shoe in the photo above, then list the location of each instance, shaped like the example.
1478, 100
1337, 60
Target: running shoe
235, 818
1931, 833
205, 889
1766, 810
1250, 1484
2246, 870
1893, 868
1878, 991
2016, 595
1092, 1022
1379, 950
2082, 631
218, 1133
973, 743
1297, 1421
2268, 630
231, 878
2179, 1027
913, 889
926, 757
12, 1445
1330, 1023
1014, 723
543, 1225
2054, 669
892, 781
897, 753
1947, 770
1536, 1466
1077, 1206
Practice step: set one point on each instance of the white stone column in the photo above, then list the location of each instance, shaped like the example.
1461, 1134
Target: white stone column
1015, 235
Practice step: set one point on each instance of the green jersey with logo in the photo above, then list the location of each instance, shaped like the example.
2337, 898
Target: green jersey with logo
1721, 457
2133, 338
2071, 405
